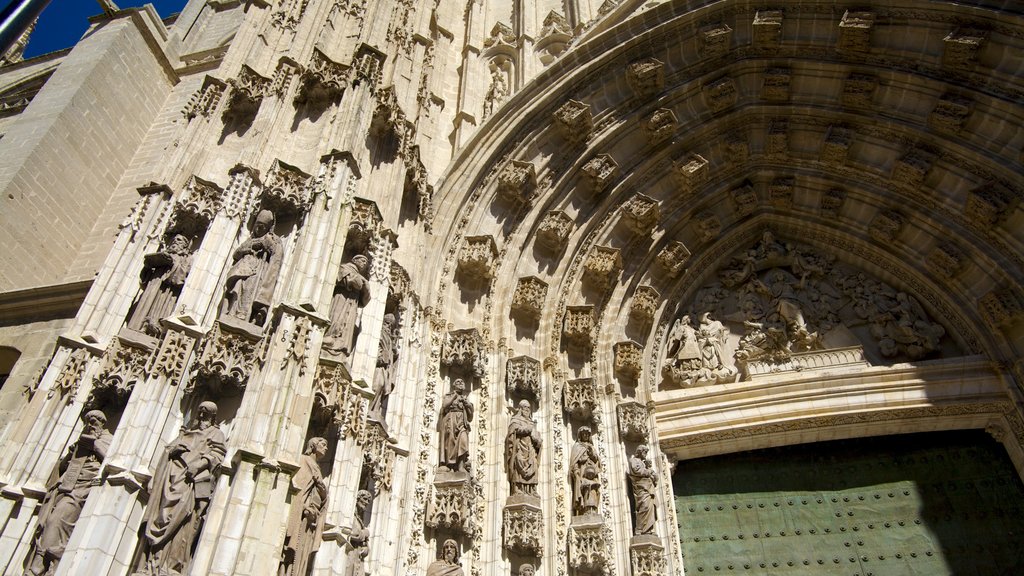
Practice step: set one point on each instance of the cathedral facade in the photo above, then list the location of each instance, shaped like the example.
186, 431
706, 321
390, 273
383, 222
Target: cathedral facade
482, 287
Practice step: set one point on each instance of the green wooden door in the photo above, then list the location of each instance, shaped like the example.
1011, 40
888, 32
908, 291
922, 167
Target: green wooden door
921, 504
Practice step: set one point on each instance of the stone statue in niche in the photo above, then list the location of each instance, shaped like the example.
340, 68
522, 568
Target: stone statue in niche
584, 474
180, 493
644, 479
351, 292
527, 570
66, 492
358, 537
163, 275
522, 448
447, 563
456, 414
306, 518
387, 359
256, 264
696, 357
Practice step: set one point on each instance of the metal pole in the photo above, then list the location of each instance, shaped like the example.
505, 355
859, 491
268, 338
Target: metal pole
16, 18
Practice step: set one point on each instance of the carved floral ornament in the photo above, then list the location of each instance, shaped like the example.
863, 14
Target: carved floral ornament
522, 376
322, 80
464, 349
600, 171
574, 120
529, 296
478, 257
602, 264
287, 190
517, 182
633, 421
227, 359
248, 89
641, 213
646, 77
690, 173
779, 298
645, 303
122, 368
554, 230
579, 398
628, 358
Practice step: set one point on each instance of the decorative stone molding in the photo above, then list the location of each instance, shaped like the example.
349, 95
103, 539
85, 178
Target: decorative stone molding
777, 143
517, 182
205, 100
464, 349
646, 77
837, 145
367, 66
962, 46
912, 168
776, 84
323, 80
988, 204
588, 546
378, 453
529, 296
579, 398
122, 368
287, 190
451, 507
803, 362
172, 355
855, 31
744, 198
859, 90
227, 359
554, 230
645, 303
647, 556
575, 121
523, 528
673, 257
641, 213
832, 201
708, 226
691, 172
660, 125
247, 92
70, 376
629, 358
522, 376
602, 264
633, 421
737, 148
599, 171
886, 225
478, 257
767, 28
336, 401
780, 192
578, 326
945, 260
243, 185
501, 35
720, 94
288, 14
950, 114
554, 37
715, 40
1001, 307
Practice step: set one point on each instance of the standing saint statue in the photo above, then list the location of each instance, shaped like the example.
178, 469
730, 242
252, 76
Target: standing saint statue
358, 537
456, 414
351, 292
180, 493
163, 275
66, 492
384, 375
252, 277
644, 478
522, 448
306, 518
584, 469
447, 564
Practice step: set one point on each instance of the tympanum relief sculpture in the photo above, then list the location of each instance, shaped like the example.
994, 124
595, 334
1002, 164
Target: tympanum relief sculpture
306, 517
255, 266
779, 298
456, 414
163, 275
179, 495
351, 292
66, 491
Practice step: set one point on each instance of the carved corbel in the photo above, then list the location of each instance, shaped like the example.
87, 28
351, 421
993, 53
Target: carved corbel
780, 192
602, 265
776, 84
912, 168
950, 114
777, 143
855, 31
673, 257
859, 90
523, 528
522, 376
529, 296
646, 77
708, 226
388, 115
1001, 307
323, 80
378, 453
599, 171
660, 125
588, 547
172, 355
122, 368
641, 213
720, 94
945, 260
199, 203
71, 374
578, 326
886, 226
338, 402
287, 190
579, 398
205, 100
744, 198
837, 145
629, 357
645, 303
554, 230
464, 350
554, 37
365, 224
367, 66
832, 201
647, 556
452, 504
962, 47
633, 421
989, 204
247, 92
227, 359
575, 121
691, 172
737, 148
517, 182
478, 257
715, 40
501, 36
767, 28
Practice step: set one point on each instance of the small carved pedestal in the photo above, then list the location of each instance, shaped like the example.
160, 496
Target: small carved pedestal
523, 525
451, 508
588, 544
647, 556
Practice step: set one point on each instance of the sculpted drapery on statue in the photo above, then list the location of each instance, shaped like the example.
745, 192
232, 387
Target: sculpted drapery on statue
584, 469
351, 292
256, 264
522, 447
163, 275
358, 537
456, 414
447, 564
384, 375
66, 492
306, 518
644, 479
180, 493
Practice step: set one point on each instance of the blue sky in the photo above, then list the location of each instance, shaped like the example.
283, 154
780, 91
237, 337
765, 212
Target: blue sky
64, 21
